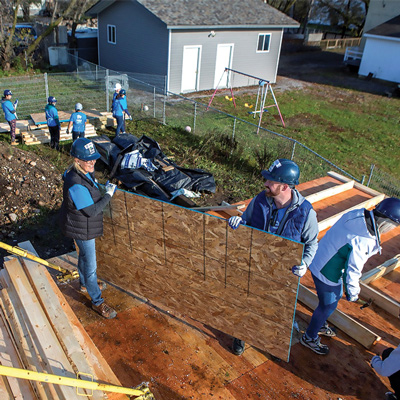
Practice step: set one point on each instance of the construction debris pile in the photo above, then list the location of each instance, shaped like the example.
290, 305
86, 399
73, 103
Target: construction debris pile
141, 166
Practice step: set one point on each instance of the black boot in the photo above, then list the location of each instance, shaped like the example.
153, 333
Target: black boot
238, 346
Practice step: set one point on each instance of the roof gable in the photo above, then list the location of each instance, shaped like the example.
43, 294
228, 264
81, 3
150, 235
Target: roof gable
389, 28
191, 14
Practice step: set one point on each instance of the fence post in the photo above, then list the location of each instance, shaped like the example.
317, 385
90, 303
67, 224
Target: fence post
164, 99
46, 86
194, 117
294, 147
370, 174
234, 128
154, 102
107, 97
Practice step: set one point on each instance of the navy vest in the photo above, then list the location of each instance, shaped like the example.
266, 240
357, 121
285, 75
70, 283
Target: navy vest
293, 222
75, 224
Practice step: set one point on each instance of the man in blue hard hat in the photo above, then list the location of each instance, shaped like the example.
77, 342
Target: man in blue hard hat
282, 210
340, 259
53, 122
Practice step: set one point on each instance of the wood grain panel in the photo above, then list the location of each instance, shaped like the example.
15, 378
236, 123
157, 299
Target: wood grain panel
237, 281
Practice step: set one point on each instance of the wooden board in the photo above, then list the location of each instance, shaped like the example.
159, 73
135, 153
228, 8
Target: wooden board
40, 118
239, 282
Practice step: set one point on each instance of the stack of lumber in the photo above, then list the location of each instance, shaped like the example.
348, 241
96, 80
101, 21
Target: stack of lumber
100, 119
42, 135
5, 128
39, 332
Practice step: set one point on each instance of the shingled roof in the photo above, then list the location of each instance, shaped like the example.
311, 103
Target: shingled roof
192, 14
389, 28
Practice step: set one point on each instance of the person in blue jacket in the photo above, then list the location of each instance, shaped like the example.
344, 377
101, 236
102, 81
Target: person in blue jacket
53, 122
10, 114
77, 122
82, 217
120, 110
280, 209
117, 89
389, 365
339, 262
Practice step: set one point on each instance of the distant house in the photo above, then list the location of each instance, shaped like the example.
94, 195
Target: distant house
381, 55
191, 42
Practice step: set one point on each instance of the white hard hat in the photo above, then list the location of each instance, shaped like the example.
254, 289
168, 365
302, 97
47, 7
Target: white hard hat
78, 106
117, 86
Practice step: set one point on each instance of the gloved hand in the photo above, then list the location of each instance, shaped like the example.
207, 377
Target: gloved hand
235, 221
67, 131
300, 270
351, 298
15, 103
375, 359
110, 188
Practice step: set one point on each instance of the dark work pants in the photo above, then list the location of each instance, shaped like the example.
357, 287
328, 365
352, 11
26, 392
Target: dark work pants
395, 378
76, 135
54, 137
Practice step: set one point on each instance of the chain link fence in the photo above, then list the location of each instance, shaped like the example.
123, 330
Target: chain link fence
93, 86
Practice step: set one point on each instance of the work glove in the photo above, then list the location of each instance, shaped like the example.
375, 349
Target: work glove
110, 188
351, 298
375, 359
234, 222
15, 103
67, 131
300, 270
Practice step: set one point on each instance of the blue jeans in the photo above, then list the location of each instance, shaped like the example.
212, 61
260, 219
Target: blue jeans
120, 124
87, 267
328, 297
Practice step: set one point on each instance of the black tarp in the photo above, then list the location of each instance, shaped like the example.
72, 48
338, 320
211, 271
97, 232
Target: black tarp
160, 183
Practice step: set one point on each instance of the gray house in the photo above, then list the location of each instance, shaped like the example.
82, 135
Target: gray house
191, 42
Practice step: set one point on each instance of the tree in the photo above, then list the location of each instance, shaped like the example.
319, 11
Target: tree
347, 14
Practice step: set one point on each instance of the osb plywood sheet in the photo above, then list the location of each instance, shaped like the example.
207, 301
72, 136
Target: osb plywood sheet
237, 281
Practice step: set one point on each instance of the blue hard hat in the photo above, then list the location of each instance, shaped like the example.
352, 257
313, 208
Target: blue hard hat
51, 99
389, 208
122, 91
283, 171
7, 92
84, 150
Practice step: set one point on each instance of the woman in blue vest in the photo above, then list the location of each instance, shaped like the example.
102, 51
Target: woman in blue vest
282, 210
10, 113
82, 217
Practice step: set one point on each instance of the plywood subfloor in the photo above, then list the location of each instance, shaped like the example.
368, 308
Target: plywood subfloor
184, 359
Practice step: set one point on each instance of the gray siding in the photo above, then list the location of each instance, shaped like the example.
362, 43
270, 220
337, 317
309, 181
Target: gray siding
142, 40
245, 58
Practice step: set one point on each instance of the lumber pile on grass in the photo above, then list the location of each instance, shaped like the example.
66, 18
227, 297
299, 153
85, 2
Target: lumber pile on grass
40, 332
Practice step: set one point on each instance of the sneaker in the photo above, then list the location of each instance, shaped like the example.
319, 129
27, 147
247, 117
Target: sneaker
105, 311
238, 346
390, 396
102, 286
315, 345
15, 143
326, 330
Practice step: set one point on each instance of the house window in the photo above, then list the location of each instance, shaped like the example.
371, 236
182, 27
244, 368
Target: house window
263, 42
111, 34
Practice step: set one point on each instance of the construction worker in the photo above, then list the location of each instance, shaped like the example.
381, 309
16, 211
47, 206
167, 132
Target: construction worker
82, 217
282, 210
53, 122
389, 365
339, 261
10, 113
117, 88
120, 111
77, 122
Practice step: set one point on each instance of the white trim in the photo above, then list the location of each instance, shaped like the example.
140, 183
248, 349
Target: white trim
219, 27
169, 58
381, 37
115, 34
269, 42
200, 47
